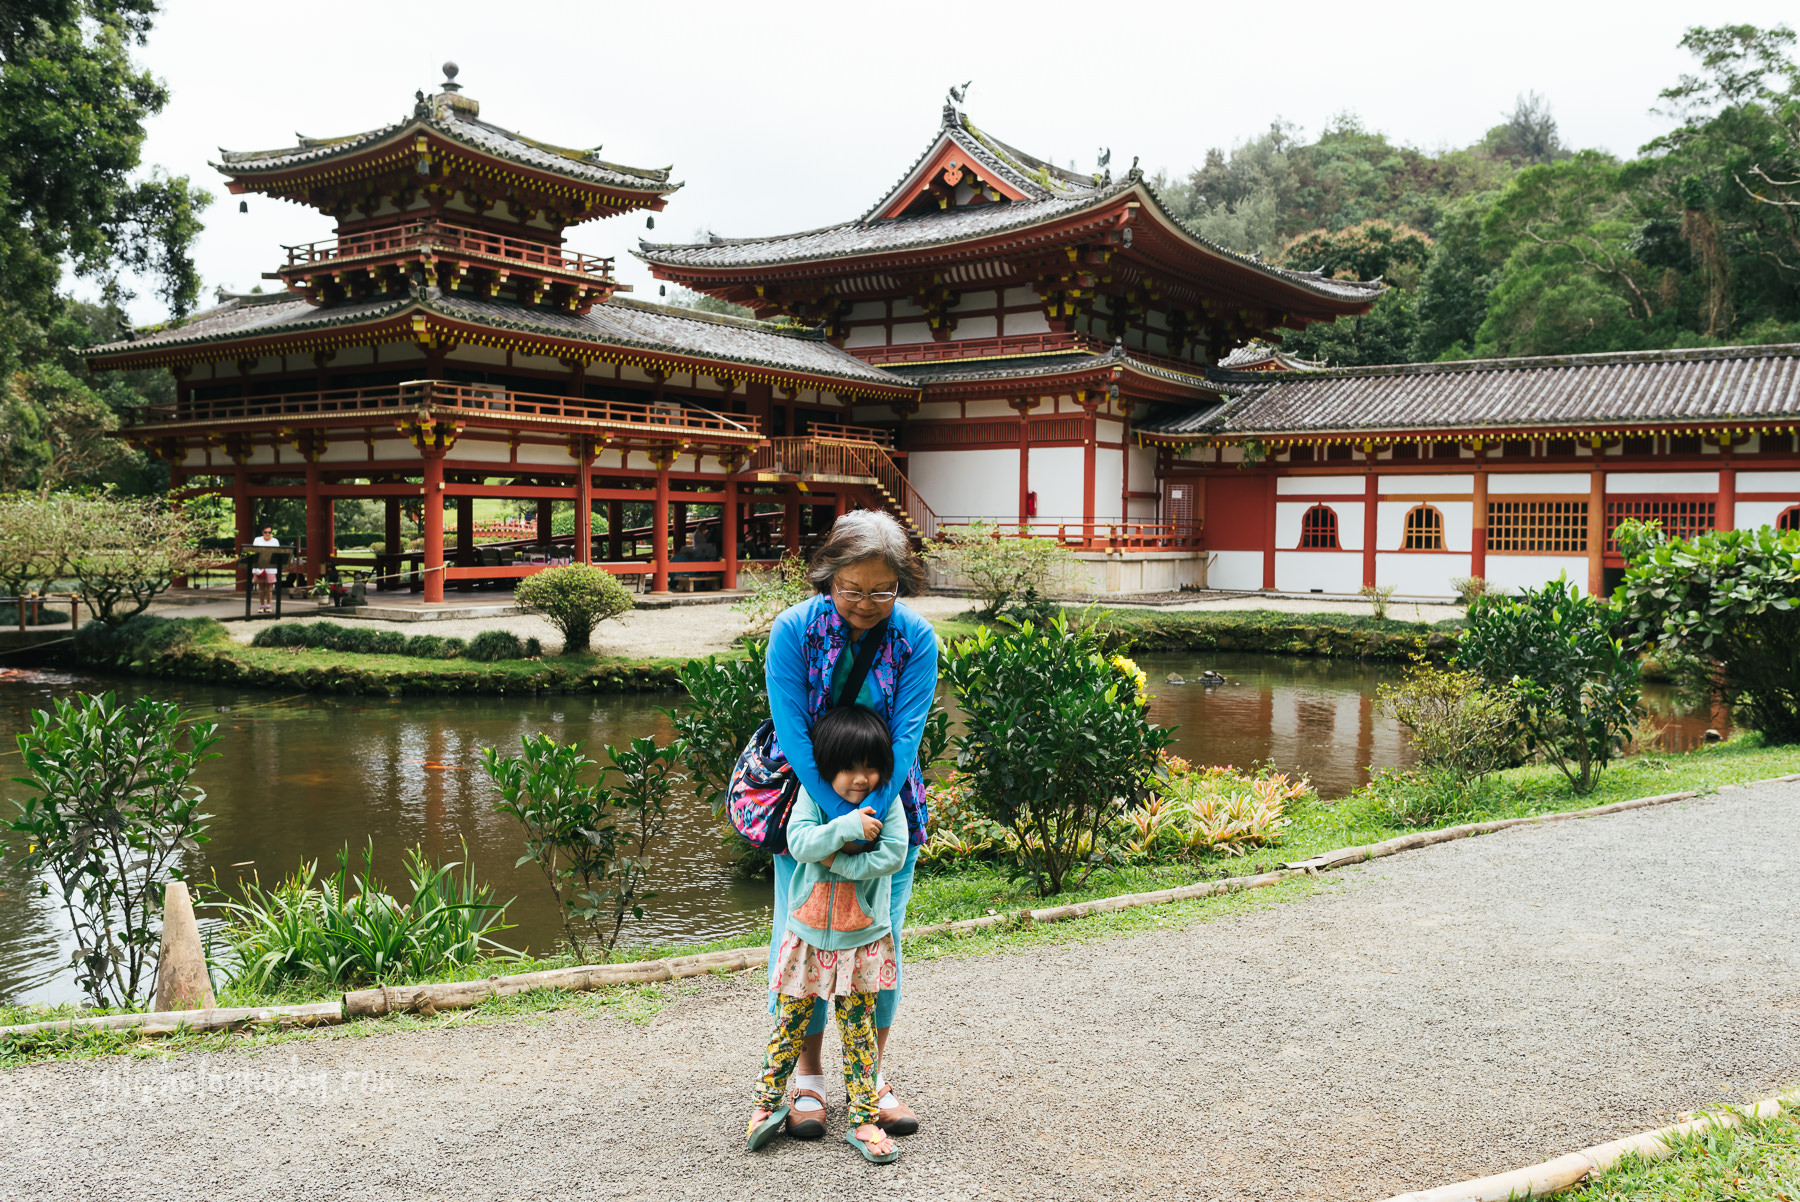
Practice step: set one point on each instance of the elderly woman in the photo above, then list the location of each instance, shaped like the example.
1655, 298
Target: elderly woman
865, 565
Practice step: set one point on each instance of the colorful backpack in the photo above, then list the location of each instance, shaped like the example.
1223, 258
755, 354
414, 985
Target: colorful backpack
763, 784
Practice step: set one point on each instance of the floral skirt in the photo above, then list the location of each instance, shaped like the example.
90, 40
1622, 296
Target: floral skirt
802, 970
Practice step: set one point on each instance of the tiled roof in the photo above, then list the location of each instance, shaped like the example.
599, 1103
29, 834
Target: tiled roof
1749, 384
1179, 421
1035, 177
441, 115
619, 322
1257, 352
1029, 366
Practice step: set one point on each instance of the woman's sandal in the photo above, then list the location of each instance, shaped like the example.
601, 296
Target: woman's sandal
868, 1154
761, 1133
807, 1124
897, 1119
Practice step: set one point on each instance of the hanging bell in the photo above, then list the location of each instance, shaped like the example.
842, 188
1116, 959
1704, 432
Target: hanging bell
649, 223
243, 206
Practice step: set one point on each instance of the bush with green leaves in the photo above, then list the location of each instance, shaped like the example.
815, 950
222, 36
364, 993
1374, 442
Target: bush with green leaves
590, 838
349, 929
770, 593
1576, 681
1379, 597
1000, 567
727, 701
574, 598
1722, 613
1468, 587
434, 646
1458, 724
492, 645
1057, 743
111, 810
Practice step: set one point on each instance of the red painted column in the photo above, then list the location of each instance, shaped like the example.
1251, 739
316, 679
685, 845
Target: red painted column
246, 518
659, 525
1478, 505
584, 501
1371, 511
1268, 539
1596, 553
1725, 516
433, 513
1089, 435
1024, 462
728, 531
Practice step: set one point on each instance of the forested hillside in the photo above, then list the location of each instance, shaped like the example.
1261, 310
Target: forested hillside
1520, 245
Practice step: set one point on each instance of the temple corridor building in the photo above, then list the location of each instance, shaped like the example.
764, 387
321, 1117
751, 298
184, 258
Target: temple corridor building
995, 338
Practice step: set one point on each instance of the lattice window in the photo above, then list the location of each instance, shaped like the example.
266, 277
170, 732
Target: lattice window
1680, 519
1549, 527
1424, 529
1318, 529
1789, 519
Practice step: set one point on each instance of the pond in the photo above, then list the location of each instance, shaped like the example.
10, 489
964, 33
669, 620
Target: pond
300, 776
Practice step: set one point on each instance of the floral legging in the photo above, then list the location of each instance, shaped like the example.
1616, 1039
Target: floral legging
856, 1030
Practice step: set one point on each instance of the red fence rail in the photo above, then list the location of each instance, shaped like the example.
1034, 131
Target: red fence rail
1102, 535
437, 235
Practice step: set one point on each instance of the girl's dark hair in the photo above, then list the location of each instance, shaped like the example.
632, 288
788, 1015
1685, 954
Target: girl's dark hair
852, 736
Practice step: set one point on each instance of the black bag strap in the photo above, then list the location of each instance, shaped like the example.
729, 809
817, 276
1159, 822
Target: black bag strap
865, 659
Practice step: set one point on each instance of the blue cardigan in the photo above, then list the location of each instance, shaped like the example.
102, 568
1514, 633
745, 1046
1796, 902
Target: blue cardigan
804, 648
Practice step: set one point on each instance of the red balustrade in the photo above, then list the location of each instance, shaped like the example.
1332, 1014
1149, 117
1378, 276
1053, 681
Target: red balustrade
438, 236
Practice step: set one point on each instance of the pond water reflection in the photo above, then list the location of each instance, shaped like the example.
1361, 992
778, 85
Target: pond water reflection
301, 776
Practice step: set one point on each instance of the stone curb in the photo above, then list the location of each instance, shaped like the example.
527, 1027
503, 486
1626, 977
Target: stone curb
1566, 1172
455, 995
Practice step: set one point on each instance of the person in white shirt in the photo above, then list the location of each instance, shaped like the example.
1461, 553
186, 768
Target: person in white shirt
264, 578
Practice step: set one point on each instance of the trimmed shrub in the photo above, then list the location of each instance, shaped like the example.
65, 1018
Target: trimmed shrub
492, 645
1000, 566
574, 598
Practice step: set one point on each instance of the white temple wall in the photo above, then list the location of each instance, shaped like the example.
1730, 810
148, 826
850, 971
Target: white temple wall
1510, 573
1056, 478
1109, 482
1422, 573
1303, 571
1239, 571
1663, 482
1289, 513
968, 484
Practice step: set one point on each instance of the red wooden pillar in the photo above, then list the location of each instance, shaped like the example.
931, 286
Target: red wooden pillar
1596, 533
1089, 433
659, 524
728, 531
316, 538
1268, 539
433, 513
1478, 515
584, 501
246, 518
1371, 511
1024, 459
1725, 515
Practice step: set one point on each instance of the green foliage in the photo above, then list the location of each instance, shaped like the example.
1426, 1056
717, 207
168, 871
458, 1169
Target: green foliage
368, 640
349, 929
1000, 567
771, 593
111, 810
492, 645
1054, 775
1379, 596
1750, 1160
728, 702
1576, 683
1722, 612
1213, 809
574, 598
120, 552
1458, 724
591, 839
1468, 587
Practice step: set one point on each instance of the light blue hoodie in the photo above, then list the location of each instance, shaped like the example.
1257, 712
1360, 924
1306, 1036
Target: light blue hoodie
846, 905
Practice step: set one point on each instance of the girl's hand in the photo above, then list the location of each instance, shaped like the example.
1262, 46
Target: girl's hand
826, 862
871, 825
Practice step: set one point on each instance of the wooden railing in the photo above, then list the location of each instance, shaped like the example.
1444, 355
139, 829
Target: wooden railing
417, 395
446, 237
880, 438
821, 456
1100, 535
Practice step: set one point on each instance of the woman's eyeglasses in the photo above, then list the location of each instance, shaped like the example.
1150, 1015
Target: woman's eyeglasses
856, 596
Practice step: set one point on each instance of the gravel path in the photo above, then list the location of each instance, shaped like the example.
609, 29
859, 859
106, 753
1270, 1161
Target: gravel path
1443, 1014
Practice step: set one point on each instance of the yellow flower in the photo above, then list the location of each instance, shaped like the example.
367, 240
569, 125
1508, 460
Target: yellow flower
1130, 671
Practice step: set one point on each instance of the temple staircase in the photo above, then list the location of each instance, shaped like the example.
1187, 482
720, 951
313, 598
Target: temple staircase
847, 455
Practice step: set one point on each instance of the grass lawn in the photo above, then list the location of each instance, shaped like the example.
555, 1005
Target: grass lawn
1757, 1162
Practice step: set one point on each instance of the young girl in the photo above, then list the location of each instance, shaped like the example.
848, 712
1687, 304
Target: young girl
839, 942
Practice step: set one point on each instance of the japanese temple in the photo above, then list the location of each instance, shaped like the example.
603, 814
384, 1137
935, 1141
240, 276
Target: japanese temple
994, 338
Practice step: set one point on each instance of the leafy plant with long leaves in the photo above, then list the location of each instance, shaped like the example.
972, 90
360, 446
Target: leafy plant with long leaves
350, 929
1576, 681
111, 811
1057, 745
590, 838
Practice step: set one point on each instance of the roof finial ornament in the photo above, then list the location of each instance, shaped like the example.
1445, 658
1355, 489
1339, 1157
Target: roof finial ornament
1103, 165
955, 98
450, 73
421, 110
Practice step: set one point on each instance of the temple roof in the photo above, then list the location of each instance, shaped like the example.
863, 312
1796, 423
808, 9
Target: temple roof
1749, 384
1257, 355
457, 118
1031, 366
1034, 178
616, 323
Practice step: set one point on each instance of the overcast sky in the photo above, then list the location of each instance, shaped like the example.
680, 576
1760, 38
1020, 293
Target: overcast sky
783, 117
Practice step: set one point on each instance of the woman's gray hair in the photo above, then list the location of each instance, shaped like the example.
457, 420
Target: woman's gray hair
862, 535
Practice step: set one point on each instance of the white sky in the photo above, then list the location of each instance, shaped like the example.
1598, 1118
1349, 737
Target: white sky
785, 117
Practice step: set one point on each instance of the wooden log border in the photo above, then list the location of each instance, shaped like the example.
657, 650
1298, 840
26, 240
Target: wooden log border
457, 995
1567, 1172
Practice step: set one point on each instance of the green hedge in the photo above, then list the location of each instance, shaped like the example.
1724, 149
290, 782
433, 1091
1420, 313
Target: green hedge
488, 646
1272, 632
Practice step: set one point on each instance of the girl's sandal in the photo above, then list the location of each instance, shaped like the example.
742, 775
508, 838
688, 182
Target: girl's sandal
868, 1153
761, 1133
